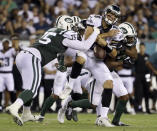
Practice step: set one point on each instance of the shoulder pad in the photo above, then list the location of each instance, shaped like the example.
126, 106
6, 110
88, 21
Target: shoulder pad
72, 35
94, 20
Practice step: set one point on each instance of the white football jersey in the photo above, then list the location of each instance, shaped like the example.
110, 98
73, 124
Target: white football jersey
7, 60
72, 35
118, 37
94, 20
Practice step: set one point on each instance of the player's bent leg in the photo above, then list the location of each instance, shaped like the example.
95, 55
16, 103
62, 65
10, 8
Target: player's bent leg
25, 61
76, 70
121, 105
120, 91
47, 104
70, 113
67, 108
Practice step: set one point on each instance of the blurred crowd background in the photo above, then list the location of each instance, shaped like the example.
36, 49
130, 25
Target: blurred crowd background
33, 17
23, 21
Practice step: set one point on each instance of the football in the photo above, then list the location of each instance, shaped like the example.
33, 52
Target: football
99, 52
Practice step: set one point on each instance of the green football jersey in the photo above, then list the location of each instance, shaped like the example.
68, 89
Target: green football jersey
50, 44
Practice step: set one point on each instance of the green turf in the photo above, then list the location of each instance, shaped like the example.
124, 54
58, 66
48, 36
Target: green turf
140, 122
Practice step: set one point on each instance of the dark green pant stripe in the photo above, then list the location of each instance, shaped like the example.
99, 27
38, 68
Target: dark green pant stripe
34, 75
92, 86
38, 76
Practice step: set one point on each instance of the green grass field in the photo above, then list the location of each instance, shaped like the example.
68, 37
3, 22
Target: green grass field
140, 122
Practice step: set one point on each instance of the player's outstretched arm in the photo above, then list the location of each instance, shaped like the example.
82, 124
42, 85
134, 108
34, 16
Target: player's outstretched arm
111, 51
89, 30
82, 45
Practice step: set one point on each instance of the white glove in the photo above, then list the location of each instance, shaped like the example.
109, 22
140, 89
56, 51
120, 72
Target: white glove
96, 30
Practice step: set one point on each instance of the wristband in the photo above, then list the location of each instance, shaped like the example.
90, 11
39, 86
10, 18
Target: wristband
109, 49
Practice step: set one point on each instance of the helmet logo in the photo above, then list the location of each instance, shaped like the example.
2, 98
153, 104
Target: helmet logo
124, 30
68, 20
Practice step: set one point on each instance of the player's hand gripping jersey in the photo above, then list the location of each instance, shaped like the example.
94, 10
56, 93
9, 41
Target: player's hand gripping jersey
57, 40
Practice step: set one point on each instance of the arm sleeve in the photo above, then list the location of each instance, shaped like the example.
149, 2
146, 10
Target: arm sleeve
83, 45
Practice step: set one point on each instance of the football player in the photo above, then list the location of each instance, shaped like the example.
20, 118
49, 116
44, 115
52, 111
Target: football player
92, 60
61, 76
127, 53
30, 60
7, 56
105, 24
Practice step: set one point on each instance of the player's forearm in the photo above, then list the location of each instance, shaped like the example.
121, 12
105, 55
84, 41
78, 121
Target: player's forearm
113, 53
49, 71
83, 45
89, 42
114, 64
101, 41
88, 32
104, 35
132, 53
151, 67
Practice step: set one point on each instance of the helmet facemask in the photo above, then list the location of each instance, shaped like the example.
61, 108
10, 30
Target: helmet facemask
79, 28
64, 22
111, 10
130, 40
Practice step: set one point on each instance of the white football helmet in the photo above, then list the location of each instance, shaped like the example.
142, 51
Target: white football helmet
113, 9
78, 22
129, 33
64, 22
76, 19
